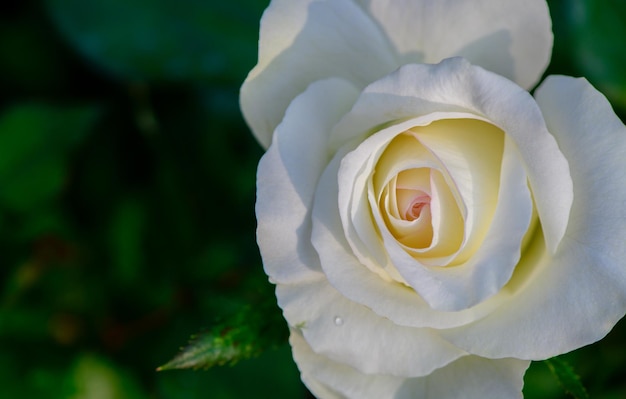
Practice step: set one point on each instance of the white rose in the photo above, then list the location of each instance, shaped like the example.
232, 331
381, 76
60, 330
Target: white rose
431, 228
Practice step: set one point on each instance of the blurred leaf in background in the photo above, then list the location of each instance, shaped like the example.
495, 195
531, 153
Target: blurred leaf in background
191, 40
127, 186
599, 33
33, 162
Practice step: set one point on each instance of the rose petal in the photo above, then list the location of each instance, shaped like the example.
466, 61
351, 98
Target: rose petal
467, 377
352, 334
489, 269
302, 41
574, 297
356, 212
406, 152
454, 85
471, 151
287, 177
460, 144
510, 38
331, 380
398, 204
357, 282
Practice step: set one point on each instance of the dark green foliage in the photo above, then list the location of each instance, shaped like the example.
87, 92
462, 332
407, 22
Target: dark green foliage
194, 40
589, 42
35, 141
127, 202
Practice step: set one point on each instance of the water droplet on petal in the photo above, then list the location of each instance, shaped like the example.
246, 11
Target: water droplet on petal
338, 321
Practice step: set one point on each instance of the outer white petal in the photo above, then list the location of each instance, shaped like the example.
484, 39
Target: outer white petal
576, 296
305, 40
302, 41
467, 377
454, 85
287, 177
352, 334
509, 37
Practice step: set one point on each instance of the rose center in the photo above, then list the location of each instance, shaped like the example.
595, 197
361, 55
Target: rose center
414, 208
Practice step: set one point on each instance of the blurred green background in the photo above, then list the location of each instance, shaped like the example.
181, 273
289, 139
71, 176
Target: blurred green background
127, 184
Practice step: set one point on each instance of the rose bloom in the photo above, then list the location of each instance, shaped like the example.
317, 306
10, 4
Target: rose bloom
430, 226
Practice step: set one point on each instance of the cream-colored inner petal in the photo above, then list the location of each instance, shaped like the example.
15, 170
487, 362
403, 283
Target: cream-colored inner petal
436, 187
412, 195
405, 204
471, 151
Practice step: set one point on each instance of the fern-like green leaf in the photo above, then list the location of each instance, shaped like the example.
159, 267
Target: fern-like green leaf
567, 378
244, 335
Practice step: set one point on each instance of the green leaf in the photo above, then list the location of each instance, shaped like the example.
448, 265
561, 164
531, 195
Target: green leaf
35, 140
246, 334
567, 378
192, 40
270, 376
